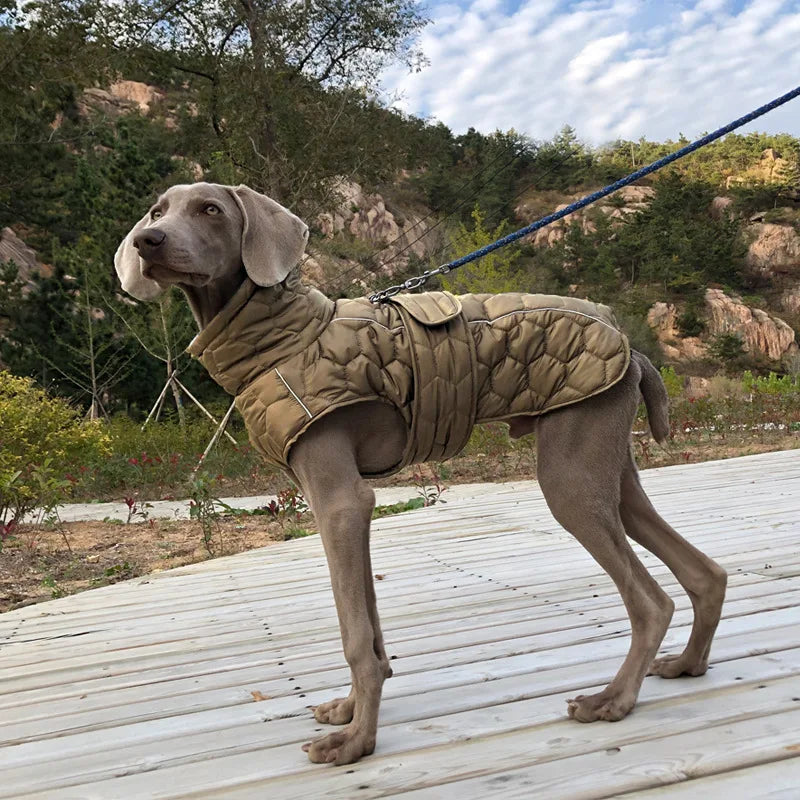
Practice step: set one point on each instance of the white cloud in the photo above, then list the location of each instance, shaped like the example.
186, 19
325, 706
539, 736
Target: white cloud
608, 67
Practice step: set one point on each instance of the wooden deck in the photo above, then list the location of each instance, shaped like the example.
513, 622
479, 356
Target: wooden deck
494, 615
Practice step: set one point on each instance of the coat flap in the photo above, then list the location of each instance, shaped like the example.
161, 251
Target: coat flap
430, 308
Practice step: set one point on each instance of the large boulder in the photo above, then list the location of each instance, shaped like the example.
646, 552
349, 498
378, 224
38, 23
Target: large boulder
395, 234
121, 97
12, 248
760, 333
103, 102
770, 168
790, 300
721, 207
663, 319
774, 250
139, 94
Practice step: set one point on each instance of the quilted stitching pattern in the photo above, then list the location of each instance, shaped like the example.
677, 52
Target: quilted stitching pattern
540, 352
503, 356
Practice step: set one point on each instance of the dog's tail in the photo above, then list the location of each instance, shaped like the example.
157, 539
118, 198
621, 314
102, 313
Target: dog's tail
655, 397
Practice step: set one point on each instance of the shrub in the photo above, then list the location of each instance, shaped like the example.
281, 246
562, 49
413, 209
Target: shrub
42, 440
672, 381
727, 348
690, 323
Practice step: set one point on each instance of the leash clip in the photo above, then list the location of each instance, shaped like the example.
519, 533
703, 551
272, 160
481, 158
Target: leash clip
411, 283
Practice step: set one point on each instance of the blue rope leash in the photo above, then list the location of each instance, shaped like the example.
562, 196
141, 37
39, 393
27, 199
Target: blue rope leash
414, 283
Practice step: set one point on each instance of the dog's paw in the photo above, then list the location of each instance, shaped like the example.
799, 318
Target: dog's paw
675, 666
336, 712
590, 708
342, 747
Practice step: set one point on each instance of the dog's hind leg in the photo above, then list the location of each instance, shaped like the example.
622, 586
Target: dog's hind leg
342, 503
703, 579
581, 453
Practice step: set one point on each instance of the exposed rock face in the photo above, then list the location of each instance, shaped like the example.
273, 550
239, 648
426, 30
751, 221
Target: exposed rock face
759, 332
12, 248
775, 249
635, 198
662, 318
366, 217
102, 101
141, 94
120, 98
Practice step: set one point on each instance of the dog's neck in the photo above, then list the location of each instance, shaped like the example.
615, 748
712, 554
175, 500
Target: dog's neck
207, 301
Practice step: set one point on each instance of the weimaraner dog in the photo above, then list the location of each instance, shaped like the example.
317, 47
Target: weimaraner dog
207, 239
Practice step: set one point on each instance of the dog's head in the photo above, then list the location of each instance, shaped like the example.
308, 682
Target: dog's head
200, 233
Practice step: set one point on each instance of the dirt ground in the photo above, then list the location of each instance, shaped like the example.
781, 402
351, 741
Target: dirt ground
38, 564
45, 564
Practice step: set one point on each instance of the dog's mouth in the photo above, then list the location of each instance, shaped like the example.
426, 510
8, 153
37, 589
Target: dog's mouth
164, 274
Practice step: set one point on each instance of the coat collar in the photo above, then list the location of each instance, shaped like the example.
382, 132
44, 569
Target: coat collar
260, 328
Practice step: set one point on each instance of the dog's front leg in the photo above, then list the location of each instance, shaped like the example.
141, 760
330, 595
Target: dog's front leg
342, 503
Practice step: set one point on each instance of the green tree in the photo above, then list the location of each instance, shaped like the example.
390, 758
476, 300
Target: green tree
495, 272
286, 88
674, 243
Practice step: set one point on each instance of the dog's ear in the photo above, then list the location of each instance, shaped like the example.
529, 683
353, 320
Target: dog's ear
273, 239
129, 267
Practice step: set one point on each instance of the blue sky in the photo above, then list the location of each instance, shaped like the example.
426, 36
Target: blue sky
609, 68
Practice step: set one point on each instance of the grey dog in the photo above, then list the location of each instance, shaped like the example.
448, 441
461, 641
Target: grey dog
207, 239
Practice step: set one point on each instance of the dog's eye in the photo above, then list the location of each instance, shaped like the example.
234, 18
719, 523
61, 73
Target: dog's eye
210, 208
155, 214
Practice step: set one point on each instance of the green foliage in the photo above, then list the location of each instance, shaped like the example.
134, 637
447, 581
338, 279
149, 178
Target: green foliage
712, 164
472, 170
285, 90
205, 508
672, 381
158, 461
41, 439
690, 323
771, 384
673, 243
493, 273
727, 348
398, 508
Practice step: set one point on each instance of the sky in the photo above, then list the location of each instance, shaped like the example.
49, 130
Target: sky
608, 68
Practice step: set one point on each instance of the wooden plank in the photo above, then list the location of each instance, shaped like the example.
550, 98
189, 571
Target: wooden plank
220, 640
570, 576
771, 781
533, 752
198, 659
292, 698
197, 737
634, 767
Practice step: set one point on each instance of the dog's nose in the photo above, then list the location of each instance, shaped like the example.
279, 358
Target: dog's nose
148, 240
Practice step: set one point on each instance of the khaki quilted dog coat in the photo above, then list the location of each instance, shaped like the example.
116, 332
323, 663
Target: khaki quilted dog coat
290, 355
